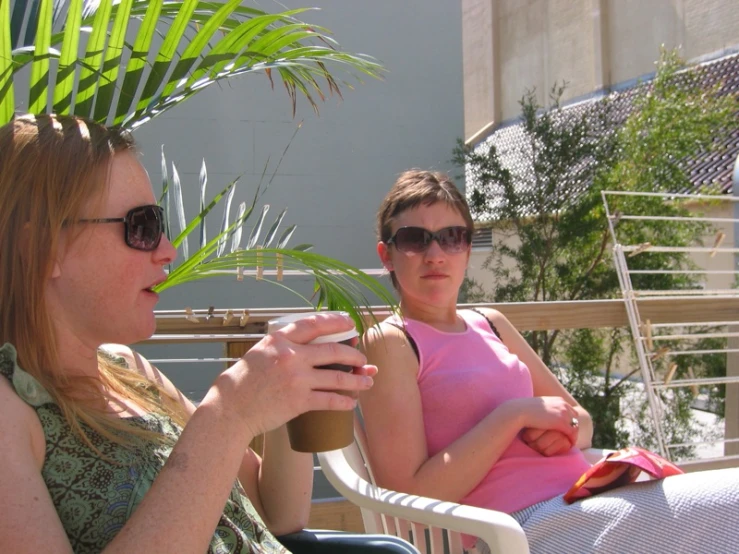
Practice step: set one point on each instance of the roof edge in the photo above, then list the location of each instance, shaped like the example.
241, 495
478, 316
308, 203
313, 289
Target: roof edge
706, 59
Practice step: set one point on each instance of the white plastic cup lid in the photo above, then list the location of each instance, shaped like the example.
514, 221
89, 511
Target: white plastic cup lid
275, 324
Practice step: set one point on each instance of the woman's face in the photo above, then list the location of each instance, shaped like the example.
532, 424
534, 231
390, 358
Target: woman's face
100, 287
432, 277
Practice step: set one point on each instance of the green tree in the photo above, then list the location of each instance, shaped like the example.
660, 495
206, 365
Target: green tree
551, 203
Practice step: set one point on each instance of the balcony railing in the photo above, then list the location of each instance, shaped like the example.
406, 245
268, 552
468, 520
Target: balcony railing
238, 329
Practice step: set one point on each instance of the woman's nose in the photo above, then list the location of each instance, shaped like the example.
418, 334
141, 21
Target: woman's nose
165, 253
434, 250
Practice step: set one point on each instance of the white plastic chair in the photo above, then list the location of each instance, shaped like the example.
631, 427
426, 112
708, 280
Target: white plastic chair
425, 522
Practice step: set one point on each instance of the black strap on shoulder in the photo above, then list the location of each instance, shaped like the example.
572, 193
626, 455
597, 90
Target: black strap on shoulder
409, 338
492, 325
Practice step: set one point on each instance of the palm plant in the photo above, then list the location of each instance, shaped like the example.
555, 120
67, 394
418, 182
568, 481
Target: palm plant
338, 285
118, 82
123, 62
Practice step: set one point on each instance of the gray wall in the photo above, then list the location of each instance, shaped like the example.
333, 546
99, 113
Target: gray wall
339, 165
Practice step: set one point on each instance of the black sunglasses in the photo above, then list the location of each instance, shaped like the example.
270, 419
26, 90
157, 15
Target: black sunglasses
415, 240
143, 226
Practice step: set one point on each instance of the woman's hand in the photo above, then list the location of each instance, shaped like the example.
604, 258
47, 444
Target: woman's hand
276, 379
541, 414
547, 442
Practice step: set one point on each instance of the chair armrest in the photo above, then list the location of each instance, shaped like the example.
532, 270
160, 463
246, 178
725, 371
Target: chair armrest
593, 455
499, 530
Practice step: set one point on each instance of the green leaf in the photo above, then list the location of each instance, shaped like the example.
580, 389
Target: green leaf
164, 201
165, 55
198, 44
230, 45
236, 236
39, 90
257, 229
285, 237
92, 61
112, 62
342, 285
180, 208
182, 67
203, 177
64, 86
138, 60
225, 220
7, 97
269, 237
201, 216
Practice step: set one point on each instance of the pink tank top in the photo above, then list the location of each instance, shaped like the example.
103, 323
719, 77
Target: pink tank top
464, 376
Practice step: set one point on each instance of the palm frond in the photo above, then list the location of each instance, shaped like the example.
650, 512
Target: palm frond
116, 82
346, 286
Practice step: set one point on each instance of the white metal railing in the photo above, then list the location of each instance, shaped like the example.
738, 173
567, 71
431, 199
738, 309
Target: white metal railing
647, 333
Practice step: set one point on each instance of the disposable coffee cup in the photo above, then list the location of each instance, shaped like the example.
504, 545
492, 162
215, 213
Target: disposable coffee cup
320, 430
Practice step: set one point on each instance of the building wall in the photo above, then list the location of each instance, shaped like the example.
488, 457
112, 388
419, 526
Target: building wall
511, 46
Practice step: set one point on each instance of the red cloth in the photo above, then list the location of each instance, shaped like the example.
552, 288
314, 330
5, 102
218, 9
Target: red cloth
620, 468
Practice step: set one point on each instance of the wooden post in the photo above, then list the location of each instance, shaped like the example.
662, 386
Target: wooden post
731, 404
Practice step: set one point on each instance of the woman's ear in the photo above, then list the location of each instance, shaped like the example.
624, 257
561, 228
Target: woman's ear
384, 254
24, 246
56, 271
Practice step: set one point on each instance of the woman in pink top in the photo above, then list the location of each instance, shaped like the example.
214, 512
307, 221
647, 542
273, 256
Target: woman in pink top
464, 410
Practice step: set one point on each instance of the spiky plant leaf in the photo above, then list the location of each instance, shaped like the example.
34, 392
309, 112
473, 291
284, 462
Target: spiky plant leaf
179, 205
203, 178
257, 229
236, 237
226, 219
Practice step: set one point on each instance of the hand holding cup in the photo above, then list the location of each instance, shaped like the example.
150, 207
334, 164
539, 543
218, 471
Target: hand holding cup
322, 430
276, 380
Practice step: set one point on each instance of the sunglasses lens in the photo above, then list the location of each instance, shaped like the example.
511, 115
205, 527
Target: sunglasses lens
145, 226
453, 239
412, 239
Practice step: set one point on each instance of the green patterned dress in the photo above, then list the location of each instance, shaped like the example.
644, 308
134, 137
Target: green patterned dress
95, 497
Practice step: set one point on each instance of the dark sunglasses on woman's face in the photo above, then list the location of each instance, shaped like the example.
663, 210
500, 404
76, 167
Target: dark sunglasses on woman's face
143, 226
415, 240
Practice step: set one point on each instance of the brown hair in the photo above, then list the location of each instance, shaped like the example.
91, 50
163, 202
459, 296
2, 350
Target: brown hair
416, 187
50, 168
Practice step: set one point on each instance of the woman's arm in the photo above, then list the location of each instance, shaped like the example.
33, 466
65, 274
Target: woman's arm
28, 520
395, 430
274, 382
279, 483
544, 381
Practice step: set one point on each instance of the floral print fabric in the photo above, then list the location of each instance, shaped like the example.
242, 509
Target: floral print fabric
95, 495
